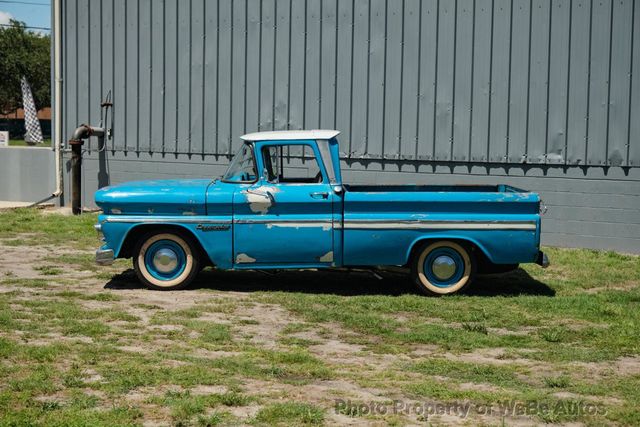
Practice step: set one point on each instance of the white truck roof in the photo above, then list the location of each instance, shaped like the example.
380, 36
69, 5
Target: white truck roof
281, 135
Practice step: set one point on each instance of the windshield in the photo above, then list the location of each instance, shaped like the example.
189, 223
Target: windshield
242, 167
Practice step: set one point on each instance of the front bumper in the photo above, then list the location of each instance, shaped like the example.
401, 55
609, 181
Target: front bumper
104, 256
542, 260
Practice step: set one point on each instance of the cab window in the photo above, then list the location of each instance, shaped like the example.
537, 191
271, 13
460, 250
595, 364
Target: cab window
295, 163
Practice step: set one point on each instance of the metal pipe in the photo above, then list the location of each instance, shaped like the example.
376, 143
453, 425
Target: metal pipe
85, 131
57, 99
76, 175
81, 133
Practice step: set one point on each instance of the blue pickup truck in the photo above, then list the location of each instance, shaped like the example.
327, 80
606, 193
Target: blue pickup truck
282, 205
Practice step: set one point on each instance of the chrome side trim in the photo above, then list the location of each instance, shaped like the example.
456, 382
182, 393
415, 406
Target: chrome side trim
282, 221
163, 219
437, 225
348, 224
288, 223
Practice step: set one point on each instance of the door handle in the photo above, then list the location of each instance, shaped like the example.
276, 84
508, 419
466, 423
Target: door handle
320, 195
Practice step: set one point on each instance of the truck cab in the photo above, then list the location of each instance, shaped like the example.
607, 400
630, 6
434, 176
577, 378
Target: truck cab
282, 205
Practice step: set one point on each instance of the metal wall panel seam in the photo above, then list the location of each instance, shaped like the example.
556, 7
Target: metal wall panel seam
384, 77
319, 69
246, 75
633, 29
288, 67
217, 59
150, 128
273, 76
417, 135
126, 66
230, 142
487, 158
586, 138
137, 3
453, 93
304, 72
366, 132
546, 132
75, 62
64, 39
528, 112
190, 84
473, 58
177, 82
335, 71
401, 80
353, 24
566, 126
435, 91
606, 149
204, 80
508, 128
101, 71
621, 33
258, 101
164, 74
88, 71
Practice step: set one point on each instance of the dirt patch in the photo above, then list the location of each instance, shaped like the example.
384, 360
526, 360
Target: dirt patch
271, 320
626, 366
253, 325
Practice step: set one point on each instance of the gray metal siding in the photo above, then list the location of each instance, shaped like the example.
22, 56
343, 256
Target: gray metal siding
540, 94
481, 81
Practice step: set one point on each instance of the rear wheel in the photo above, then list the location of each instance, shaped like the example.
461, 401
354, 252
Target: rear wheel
166, 260
443, 267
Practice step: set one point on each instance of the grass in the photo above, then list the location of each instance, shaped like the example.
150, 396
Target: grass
22, 143
290, 413
33, 228
75, 351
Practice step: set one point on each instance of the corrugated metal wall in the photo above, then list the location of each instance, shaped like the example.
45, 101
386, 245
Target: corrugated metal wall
481, 81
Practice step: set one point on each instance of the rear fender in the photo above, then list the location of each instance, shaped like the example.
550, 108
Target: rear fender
452, 236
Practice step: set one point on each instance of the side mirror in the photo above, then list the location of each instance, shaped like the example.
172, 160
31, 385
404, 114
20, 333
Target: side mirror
338, 189
265, 175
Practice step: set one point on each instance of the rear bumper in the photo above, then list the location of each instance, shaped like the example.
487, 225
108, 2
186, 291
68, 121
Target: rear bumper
104, 256
542, 260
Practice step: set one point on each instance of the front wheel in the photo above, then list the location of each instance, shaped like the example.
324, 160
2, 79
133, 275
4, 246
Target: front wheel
443, 267
166, 260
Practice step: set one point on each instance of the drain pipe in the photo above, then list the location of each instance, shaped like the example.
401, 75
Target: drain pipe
76, 142
57, 100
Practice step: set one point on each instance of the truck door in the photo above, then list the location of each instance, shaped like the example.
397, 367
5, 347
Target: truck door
286, 218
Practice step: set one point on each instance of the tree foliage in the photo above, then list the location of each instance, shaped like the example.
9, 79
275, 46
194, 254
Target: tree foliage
23, 53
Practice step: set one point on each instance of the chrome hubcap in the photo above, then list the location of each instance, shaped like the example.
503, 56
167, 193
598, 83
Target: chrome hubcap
443, 267
165, 260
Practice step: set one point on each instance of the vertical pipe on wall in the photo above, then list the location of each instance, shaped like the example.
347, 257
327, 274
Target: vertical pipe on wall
76, 176
57, 93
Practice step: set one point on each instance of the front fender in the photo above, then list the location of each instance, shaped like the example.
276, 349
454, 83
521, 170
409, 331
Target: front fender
213, 233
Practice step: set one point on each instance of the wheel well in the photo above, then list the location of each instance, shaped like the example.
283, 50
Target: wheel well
480, 256
134, 235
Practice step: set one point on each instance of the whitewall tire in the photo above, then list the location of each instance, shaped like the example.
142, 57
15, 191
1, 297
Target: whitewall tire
166, 260
443, 267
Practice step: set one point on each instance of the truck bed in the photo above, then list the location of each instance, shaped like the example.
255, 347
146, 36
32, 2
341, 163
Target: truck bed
433, 189
500, 219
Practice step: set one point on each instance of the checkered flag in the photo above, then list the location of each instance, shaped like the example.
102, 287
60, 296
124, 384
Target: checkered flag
31, 122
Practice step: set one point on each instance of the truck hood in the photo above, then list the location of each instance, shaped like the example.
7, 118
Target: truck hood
168, 197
